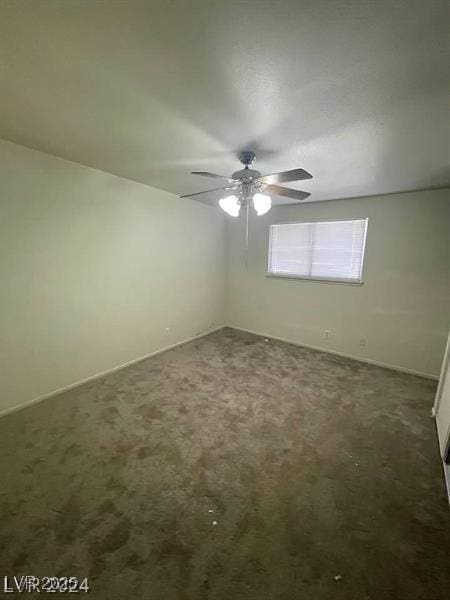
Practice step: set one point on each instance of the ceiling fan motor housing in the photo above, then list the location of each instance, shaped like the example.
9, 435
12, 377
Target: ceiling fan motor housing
247, 178
246, 174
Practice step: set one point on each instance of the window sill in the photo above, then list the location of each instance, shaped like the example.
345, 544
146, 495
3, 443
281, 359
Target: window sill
315, 279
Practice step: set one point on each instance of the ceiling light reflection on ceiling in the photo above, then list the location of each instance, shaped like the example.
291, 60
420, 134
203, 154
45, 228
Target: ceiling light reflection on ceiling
262, 203
230, 205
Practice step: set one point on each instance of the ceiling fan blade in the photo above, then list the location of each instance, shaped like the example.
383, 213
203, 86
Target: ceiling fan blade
285, 176
207, 174
207, 192
277, 190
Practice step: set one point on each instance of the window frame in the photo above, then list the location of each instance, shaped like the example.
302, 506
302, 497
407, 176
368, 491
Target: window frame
338, 281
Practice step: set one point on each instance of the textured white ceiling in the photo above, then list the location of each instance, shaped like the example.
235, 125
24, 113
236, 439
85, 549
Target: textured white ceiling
354, 92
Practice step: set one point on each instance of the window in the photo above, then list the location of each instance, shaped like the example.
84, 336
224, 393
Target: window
325, 250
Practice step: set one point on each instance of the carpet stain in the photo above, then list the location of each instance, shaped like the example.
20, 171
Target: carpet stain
113, 540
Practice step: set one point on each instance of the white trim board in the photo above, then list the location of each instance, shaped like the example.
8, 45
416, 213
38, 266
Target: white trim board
66, 388
445, 466
447, 478
445, 362
337, 353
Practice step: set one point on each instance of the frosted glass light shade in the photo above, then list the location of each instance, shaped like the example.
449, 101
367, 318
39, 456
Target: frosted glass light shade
230, 205
262, 203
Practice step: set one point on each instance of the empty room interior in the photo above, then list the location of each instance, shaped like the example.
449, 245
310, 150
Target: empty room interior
225, 299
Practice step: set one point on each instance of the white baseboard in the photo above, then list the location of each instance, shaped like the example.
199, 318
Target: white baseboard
337, 353
185, 341
12, 409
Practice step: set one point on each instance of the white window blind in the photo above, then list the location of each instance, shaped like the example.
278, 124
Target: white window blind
325, 250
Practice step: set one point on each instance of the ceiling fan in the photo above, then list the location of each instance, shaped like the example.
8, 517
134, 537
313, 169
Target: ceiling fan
249, 186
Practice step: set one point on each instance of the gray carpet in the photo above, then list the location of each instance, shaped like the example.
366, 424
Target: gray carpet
231, 468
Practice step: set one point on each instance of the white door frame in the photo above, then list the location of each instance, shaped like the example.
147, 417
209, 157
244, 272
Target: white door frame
444, 368
437, 400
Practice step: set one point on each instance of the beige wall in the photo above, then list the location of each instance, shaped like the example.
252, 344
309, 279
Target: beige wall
403, 308
93, 268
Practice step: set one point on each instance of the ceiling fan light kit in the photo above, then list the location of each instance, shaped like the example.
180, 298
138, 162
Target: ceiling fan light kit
262, 203
230, 205
250, 187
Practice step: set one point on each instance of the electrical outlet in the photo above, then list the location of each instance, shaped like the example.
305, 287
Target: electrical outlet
363, 341
327, 334
167, 330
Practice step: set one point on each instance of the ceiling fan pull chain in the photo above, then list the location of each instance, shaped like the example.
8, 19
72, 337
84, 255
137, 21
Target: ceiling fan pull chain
246, 234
